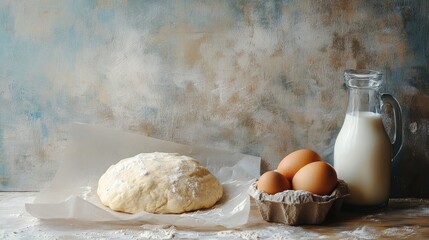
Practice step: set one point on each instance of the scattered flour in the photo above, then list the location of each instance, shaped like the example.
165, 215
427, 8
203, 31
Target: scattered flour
239, 234
158, 232
364, 232
405, 231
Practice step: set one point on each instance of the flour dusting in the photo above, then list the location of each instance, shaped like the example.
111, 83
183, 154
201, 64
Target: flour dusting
405, 231
239, 234
158, 232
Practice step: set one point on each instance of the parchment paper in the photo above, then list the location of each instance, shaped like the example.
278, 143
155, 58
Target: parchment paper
92, 149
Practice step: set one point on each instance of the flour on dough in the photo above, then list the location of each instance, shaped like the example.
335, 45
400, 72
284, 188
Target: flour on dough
158, 183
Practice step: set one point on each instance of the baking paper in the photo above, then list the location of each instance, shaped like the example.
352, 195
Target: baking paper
92, 149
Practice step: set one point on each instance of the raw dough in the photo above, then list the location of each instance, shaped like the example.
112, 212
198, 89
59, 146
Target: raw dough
158, 183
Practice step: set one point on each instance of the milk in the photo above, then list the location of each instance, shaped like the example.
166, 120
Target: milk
362, 158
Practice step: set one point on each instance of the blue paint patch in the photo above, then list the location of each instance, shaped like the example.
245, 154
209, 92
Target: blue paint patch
416, 23
3, 175
82, 6
268, 13
7, 26
106, 16
34, 115
264, 13
45, 130
71, 39
147, 112
24, 68
3, 166
141, 15
69, 42
1, 144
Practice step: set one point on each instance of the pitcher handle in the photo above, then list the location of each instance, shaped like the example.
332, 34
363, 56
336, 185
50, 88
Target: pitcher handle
397, 137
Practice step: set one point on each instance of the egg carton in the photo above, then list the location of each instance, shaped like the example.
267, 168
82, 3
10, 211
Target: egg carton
297, 207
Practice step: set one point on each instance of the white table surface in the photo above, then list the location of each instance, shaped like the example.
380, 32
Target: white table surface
404, 218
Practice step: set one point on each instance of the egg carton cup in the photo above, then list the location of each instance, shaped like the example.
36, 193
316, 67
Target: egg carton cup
297, 207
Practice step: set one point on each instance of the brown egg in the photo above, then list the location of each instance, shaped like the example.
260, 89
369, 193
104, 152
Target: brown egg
273, 182
293, 162
318, 177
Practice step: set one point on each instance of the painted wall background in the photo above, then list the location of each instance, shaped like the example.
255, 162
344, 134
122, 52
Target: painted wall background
257, 77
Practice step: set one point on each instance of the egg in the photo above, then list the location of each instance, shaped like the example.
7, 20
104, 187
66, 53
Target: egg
273, 182
293, 162
317, 177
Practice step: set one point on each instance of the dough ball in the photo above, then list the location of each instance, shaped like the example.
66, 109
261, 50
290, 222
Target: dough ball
158, 183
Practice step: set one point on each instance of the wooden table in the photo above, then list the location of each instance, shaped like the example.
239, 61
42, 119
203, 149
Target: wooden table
404, 218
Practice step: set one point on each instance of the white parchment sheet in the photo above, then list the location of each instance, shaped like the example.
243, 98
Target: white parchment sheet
92, 149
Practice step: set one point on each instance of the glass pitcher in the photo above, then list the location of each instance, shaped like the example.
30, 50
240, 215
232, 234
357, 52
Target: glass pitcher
363, 150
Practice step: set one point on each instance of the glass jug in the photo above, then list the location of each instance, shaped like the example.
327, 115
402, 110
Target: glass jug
363, 150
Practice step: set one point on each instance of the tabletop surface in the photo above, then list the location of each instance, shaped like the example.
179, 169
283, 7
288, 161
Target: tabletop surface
403, 219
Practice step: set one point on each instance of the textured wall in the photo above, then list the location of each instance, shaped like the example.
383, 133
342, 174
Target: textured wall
257, 77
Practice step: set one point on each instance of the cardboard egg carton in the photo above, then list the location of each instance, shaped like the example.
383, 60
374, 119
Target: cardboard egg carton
296, 207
